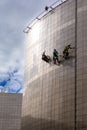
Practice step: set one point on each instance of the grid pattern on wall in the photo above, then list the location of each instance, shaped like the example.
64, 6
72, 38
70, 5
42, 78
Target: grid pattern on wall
49, 97
10, 111
82, 66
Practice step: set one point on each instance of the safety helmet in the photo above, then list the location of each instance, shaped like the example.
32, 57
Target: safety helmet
54, 49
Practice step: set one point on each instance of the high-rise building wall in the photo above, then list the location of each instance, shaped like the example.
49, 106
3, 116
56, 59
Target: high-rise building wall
10, 111
55, 95
82, 65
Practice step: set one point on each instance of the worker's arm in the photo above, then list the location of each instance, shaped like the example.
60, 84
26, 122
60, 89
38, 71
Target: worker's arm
72, 48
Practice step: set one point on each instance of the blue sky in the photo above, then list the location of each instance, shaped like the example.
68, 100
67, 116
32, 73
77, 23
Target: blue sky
14, 17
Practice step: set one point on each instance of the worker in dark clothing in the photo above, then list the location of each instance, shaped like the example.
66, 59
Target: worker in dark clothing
66, 51
55, 56
45, 57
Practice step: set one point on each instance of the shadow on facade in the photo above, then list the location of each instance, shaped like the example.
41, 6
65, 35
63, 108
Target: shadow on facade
30, 123
69, 62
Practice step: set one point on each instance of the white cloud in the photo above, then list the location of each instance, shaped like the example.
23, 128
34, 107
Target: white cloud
14, 15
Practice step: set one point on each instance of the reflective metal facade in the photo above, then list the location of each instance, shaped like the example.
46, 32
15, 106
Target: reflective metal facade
50, 100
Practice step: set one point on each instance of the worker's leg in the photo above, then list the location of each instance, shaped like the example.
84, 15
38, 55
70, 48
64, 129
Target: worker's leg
64, 54
45, 58
49, 59
67, 55
54, 60
57, 58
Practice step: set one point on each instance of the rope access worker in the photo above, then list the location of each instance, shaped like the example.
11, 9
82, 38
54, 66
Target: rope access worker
45, 57
55, 56
66, 51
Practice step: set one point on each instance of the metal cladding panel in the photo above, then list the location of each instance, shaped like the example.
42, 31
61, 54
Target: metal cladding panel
82, 65
49, 92
10, 111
